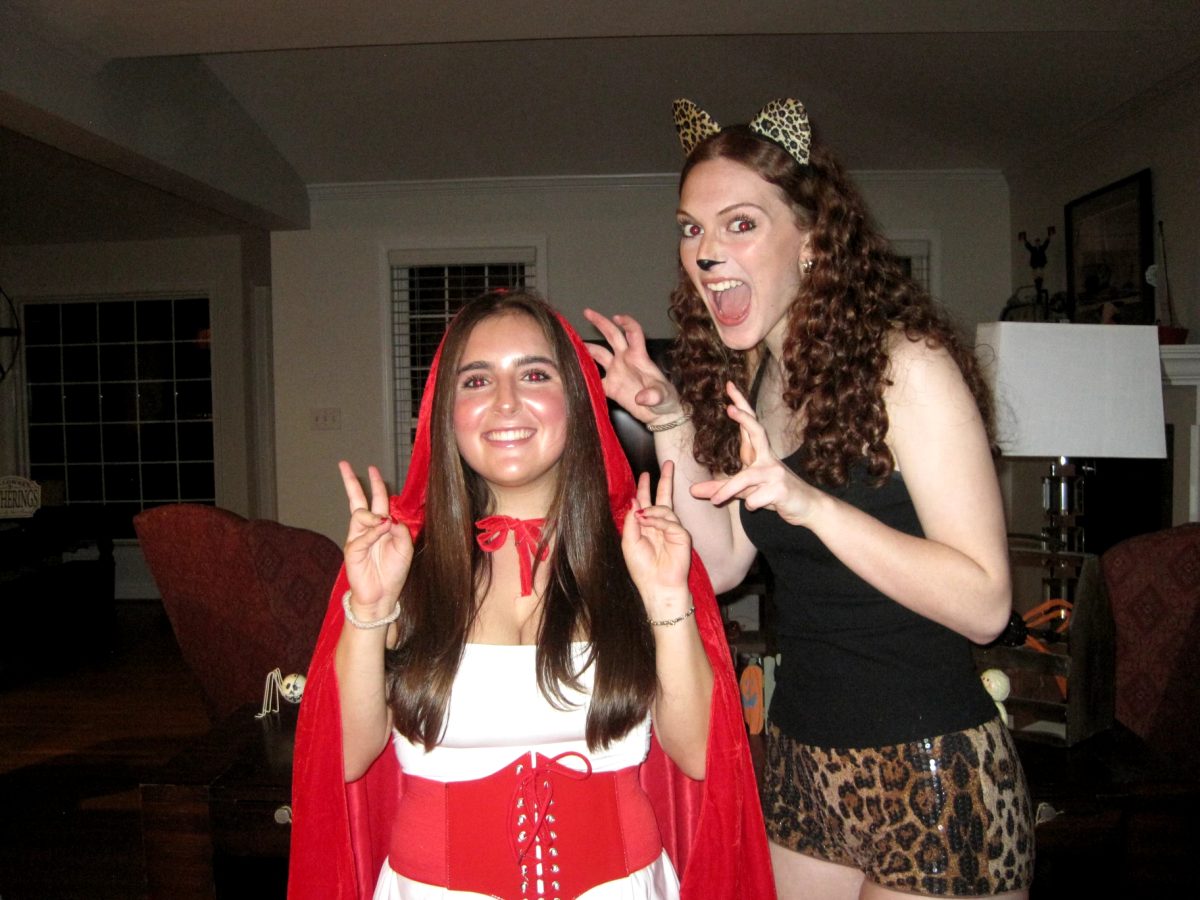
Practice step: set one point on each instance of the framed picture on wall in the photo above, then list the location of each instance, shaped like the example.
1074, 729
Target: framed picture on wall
1110, 245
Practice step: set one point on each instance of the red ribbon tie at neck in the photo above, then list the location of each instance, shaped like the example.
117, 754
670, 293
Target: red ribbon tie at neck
527, 533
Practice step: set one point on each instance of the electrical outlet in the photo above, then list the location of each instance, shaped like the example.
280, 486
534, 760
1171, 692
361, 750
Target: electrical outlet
326, 418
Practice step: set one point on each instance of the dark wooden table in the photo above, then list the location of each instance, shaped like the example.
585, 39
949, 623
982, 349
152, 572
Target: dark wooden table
216, 821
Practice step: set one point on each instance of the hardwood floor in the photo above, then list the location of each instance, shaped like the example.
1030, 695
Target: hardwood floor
74, 746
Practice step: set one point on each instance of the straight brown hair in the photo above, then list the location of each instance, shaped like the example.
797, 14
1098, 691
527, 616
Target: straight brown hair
590, 595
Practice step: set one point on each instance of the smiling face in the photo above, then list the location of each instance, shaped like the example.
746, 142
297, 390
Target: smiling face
746, 228
510, 412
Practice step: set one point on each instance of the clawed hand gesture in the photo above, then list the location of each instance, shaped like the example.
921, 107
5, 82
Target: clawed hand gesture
378, 551
631, 378
764, 482
657, 548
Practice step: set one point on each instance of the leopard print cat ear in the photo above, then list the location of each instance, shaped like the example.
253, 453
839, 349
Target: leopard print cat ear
786, 123
693, 124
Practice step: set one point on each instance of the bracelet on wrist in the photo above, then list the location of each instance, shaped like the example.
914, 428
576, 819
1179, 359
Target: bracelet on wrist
667, 426
359, 623
666, 623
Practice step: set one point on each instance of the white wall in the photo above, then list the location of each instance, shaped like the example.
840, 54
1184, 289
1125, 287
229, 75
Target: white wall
610, 243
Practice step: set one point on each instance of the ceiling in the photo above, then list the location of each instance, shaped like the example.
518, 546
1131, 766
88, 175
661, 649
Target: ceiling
359, 91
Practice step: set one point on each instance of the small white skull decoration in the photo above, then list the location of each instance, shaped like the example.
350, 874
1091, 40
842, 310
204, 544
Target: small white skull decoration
292, 687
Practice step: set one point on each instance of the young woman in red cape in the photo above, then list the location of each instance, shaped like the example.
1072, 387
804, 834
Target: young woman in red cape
522, 687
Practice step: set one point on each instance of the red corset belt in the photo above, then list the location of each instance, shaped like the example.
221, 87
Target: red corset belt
536, 828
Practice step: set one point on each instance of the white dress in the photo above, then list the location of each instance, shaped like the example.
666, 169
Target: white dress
496, 714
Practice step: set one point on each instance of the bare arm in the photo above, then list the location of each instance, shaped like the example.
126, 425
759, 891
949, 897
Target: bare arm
378, 554
633, 380
658, 552
957, 574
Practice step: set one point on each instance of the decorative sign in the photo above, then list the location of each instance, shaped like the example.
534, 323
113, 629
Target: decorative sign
20, 498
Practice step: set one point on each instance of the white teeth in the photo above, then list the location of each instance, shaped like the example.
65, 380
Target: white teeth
514, 434
721, 286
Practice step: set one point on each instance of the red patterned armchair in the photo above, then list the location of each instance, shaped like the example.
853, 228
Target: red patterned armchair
243, 596
1153, 583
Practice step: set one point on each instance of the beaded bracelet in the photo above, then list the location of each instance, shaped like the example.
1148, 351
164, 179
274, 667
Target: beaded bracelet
674, 621
667, 426
359, 623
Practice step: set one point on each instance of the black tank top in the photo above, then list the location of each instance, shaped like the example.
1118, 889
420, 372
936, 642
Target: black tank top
858, 669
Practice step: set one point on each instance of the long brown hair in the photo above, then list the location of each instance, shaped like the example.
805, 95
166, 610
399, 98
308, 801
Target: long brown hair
836, 345
590, 592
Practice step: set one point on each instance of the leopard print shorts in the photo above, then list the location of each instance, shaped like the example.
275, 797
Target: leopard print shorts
944, 816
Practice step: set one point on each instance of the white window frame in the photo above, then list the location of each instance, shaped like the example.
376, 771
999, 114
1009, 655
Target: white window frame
401, 412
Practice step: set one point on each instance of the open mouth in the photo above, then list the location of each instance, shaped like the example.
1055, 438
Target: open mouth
509, 435
730, 300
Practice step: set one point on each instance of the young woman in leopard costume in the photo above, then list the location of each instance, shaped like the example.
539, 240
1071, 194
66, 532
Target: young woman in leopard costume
828, 416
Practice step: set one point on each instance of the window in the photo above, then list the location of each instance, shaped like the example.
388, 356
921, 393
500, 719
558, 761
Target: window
428, 288
118, 401
914, 256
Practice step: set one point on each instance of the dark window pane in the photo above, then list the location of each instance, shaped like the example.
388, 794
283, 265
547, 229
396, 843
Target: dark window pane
156, 400
121, 482
79, 323
154, 362
196, 481
195, 399
120, 443
45, 444
119, 402
48, 475
81, 402
45, 403
154, 320
117, 362
43, 364
85, 483
116, 322
120, 518
83, 443
193, 360
196, 440
158, 441
41, 324
191, 320
80, 363
159, 481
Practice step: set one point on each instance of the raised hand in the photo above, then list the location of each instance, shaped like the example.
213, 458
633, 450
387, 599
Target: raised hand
630, 377
764, 482
657, 548
378, 551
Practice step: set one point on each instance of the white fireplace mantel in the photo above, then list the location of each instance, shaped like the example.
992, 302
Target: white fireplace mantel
1181, 398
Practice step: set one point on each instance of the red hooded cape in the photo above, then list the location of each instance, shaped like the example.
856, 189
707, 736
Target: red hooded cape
712, 829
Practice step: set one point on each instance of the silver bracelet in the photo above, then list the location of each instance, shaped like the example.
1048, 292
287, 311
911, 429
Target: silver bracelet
359, 623
674, 621
667, 426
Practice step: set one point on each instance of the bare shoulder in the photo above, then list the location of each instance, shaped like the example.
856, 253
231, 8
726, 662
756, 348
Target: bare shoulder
920, 374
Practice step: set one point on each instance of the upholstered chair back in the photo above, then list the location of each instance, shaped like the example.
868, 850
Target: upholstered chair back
243, 596
1153, 583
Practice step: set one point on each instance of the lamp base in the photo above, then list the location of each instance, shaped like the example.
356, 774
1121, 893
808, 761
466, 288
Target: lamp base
1063, 507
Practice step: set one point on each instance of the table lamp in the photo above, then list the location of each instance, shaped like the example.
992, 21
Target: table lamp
1073, 393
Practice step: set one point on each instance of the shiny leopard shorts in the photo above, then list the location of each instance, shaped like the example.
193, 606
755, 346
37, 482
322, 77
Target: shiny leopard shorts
943, 816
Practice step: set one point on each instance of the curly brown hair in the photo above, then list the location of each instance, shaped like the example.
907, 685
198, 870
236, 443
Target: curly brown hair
855, 296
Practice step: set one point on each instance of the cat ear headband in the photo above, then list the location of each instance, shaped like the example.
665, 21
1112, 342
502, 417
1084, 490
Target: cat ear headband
783, 122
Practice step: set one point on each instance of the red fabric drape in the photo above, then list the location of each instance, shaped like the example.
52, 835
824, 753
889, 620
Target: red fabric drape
712, 829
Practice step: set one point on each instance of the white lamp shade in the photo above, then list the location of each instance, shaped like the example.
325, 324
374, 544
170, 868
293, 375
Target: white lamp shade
1075, 390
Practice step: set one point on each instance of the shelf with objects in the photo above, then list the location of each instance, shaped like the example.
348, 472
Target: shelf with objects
1057, 654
